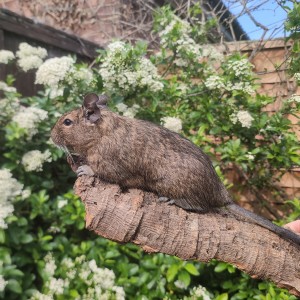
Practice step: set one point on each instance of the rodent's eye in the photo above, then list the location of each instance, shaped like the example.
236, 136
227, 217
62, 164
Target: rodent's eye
67, 122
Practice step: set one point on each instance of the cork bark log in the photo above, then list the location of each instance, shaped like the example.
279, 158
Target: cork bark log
138, 217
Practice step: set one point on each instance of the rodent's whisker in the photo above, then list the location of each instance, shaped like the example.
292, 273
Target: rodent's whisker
69, 155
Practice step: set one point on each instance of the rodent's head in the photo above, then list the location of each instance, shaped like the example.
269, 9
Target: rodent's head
75, 131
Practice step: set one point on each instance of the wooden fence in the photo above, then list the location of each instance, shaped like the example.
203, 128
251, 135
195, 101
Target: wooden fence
15, 29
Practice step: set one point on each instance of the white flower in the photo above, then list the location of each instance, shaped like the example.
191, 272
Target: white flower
180, 284
3, 283
31, 62
105, 278
56, 286
120, 293
244, 118
54, 92
172, 123
101, 277
182, 26
30, 57
6, 56
294, 98
25, 50
121, 107
28, 118
176, 34
26, 193
240, 68
4, 87
250, 156
117, 70
200, 291
54, 70
212, 53
240, 86
68, 263
116, 46
214, 82
80, 259
9, 189
180, 62
297, 76
39, 296
130, 112
33, 160
84, 75
93, 266
8, 107
62, 203
50, 265
71, 274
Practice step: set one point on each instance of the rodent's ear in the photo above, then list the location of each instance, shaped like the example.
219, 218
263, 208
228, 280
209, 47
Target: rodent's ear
90, 109
102, 101
90, 100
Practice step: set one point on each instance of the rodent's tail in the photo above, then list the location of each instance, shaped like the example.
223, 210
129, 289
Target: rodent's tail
253, 218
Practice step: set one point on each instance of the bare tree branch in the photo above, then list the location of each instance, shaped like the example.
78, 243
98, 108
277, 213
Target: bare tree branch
139, 218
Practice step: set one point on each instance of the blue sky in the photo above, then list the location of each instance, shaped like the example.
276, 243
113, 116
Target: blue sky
269, 13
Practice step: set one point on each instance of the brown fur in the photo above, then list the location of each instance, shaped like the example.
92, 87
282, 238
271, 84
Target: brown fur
138, 154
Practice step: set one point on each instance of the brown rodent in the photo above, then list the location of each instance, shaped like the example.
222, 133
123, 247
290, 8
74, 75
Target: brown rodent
138, 154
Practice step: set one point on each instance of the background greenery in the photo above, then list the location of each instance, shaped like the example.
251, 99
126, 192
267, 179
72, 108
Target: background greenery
212, 97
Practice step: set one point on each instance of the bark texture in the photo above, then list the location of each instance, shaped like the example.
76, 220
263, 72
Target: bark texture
138, 217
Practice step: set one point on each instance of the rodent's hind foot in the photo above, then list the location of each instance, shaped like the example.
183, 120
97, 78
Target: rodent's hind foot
84, 170
166, 200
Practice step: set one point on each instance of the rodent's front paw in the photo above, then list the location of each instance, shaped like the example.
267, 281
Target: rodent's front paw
84, 170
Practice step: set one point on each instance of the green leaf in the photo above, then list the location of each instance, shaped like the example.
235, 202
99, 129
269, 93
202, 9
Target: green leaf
220, 267
13, 273
191, 269
74, 293
223, 296
26, 238
185, 277
172, 272
14, 286
2, 236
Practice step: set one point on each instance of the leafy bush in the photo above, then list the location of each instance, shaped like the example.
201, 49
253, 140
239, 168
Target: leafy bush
211, 98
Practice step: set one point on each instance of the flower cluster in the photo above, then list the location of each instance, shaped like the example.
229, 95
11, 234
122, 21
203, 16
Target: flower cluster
176, 35
30, 57
34, 159
9, 106
297, 76
214, 82
56, 73
54, 70
3, 283
240, 68
250, 156
120, 70
246, 87
6, 56
5, 88
127, 111
9, 189
28, 118
243, 117
172, 123
200, 292
212, 53
294, 98
97, 283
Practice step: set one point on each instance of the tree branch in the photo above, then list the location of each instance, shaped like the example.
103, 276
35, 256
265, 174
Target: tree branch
138, 217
